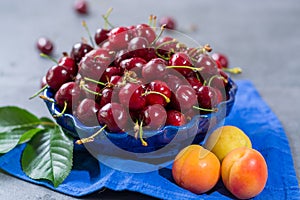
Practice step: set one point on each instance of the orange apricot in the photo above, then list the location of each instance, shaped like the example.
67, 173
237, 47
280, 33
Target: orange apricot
196, 169
244, 172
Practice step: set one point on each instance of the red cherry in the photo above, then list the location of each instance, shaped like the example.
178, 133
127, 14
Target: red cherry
81, 6
101, 35
182, 59
120, 36
158, 92
86, 112
69, 64
79, 50
56, 76
154, 116
221, 58
168, 21
184, 98
175, 118
45, 45
207, 97
145, 31
133, 64
131, 96
154, 69
114, 116
70, 93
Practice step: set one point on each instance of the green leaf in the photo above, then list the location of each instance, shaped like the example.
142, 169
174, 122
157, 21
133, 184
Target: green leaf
12, 117
14, 122
48, 155
47, 123
28, 135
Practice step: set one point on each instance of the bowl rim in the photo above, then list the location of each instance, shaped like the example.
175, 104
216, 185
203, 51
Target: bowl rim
54, 110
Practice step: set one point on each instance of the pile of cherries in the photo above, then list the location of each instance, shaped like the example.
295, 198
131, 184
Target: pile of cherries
134, 79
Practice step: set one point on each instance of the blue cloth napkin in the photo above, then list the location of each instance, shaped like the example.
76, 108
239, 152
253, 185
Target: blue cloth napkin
250, 113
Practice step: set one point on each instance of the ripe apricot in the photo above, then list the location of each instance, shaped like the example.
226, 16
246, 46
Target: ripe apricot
244, 172
196, 169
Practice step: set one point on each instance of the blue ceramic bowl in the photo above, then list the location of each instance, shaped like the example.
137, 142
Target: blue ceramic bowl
168, 138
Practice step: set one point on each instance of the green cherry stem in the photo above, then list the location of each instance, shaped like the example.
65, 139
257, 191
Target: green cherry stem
216, 76
167, 99
105, 17
162, 28
48, 57
196, 69
81, 85
206, 109
144, 143
94, 81
91, 138
63, 111
38, 92
89, 33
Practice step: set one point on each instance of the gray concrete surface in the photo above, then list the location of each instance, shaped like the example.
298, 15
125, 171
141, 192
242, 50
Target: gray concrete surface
262, 37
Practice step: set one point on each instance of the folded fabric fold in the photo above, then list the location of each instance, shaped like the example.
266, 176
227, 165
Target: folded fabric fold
250, 113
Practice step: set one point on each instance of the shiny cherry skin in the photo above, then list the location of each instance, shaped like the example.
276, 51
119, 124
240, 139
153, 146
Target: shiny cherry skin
133, 64
45, 45
106, 97
79, 50
137, 43
154, 116
181, 59
69, 64
56, 76
194, 82
174, 81
91, 90
159, 87
114, 116
101, 35
154, 69
145, 31
109, 72
207, 97
70, 93
185, 98
175, 118
166, 46
131, 96
120, 36
221, 58
86, 112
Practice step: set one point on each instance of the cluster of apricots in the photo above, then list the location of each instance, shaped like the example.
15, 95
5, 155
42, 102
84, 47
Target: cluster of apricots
227, 154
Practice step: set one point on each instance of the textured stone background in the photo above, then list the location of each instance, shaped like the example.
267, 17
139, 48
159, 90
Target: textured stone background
262, 37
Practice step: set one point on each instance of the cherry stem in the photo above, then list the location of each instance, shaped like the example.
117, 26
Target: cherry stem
144, 143
162, 28
91, 138
206, 109
161, 45
81, 85
196, 69
47, 99
88, 32
235, 70
167, 99
38, 92
216, 76
63, 111
48, 57
94, 81
105, 17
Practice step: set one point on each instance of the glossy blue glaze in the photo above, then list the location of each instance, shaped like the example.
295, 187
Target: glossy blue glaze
192, 132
